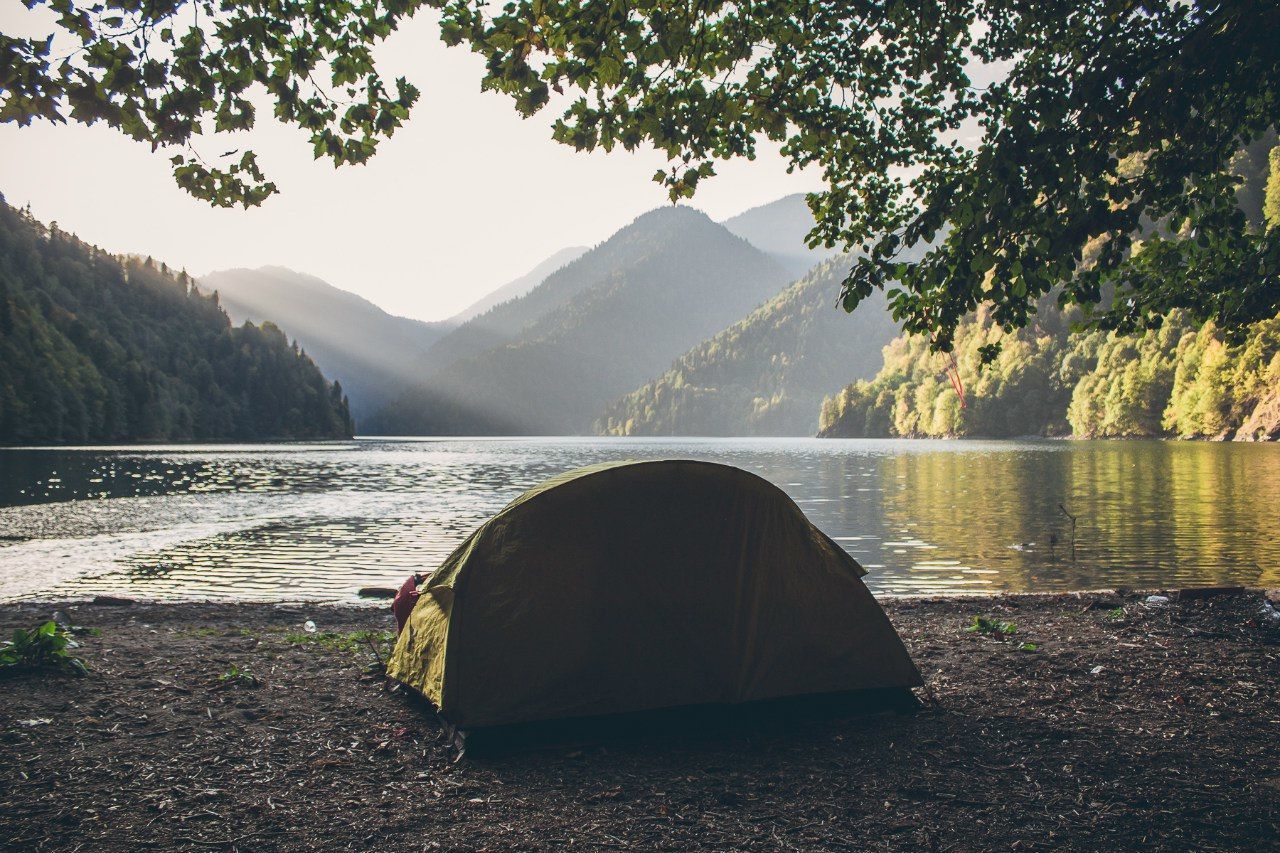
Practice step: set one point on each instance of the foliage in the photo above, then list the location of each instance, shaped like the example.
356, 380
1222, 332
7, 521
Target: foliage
164, 72
96, 347
765, 375
237, 677
1252, 165
42, 648
353, 641
1177, 379
1271, 204
1012, 134
1000, 630
1217, 385
1023, 392
996, 627
1080, 134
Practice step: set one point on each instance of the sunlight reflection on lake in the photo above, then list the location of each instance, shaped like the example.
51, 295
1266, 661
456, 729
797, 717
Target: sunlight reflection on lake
318, 521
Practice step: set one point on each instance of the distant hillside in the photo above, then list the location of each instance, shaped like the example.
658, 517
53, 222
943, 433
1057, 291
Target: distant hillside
766, 375
1182, 380
548, 362
504, 323
374, 354
779, 229
95, 347
520, 286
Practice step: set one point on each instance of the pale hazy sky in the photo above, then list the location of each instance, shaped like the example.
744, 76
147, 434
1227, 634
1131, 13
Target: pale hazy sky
464, 198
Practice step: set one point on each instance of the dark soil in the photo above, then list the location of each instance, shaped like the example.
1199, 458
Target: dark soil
1128, 726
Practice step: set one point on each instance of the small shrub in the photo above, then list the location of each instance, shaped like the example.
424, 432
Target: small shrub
1000, 630
41, 648
994, 627
237, 677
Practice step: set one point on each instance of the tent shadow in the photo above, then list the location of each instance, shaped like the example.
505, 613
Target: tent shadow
682, 724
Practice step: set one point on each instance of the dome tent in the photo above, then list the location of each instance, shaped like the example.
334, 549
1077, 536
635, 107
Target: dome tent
644, 585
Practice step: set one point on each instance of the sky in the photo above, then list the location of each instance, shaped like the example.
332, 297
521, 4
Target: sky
464, 198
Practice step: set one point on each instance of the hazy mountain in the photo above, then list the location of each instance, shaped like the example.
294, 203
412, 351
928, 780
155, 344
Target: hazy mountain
520, 286
766, 375
505, 322
375, 355
98, 347
779, 229
548, 362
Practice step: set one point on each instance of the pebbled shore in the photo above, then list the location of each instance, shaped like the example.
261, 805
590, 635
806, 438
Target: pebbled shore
1127, 726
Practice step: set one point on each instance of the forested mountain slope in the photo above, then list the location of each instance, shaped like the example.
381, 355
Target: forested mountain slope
779, 230
548, 362
767, 374
375, 355
96, 347
519, 287
1177, 381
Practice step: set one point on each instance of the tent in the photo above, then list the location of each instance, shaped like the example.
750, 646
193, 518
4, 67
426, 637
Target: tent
644, 585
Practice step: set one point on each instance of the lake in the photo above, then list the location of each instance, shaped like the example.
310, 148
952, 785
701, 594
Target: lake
318, 521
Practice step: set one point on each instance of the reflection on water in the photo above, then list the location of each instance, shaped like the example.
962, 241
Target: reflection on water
321, 520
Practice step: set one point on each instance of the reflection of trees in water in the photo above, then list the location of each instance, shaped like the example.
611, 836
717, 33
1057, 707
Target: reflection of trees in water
1150, 513
988, 509
1226, 508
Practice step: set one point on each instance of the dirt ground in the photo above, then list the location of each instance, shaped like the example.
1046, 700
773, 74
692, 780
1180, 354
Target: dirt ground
228, 726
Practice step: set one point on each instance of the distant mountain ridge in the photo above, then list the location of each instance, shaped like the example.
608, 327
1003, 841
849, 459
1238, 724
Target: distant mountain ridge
99, 347
768, 373
779, 229
548, 362
373, 353
506, 321
519, 287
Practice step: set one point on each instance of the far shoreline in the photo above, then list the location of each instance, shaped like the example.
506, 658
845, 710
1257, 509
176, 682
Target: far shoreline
188, 445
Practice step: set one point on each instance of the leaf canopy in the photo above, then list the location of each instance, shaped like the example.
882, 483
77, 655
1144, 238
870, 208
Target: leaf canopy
1080, 147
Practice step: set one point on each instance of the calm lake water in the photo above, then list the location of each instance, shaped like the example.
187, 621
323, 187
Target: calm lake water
318, 521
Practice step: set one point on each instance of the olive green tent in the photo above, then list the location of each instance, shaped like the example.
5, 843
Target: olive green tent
644, 585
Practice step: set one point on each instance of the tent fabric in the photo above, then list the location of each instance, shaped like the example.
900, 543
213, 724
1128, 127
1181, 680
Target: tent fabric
643, 585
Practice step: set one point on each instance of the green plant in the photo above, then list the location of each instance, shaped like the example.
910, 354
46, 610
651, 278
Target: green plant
237, 677
339, 642
994, 627
1116, 613
1000, 630
44, 647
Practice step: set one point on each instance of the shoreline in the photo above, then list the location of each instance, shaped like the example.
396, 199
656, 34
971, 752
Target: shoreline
1128, 725
381, 600
196, 443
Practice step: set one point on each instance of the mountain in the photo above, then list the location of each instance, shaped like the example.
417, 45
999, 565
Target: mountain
520, 286
767, 374
779, 229
631, 247
375, 355
1181, 380
96, 347
548, 362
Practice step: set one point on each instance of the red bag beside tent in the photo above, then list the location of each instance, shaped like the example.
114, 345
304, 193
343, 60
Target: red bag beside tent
404, 601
